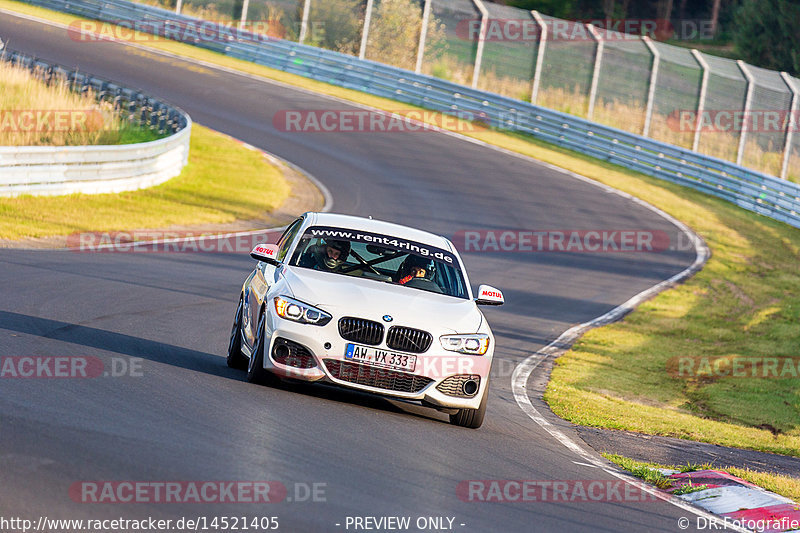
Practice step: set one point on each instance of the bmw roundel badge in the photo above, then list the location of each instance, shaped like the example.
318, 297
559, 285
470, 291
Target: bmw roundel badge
387, 318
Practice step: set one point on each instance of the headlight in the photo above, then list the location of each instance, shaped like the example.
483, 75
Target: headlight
475, 344
297, 311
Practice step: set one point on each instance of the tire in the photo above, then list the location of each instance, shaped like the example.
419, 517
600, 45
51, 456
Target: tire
255, 367
235, 357
472, 418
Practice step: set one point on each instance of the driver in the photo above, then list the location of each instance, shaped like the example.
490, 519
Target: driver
329, 255
415, 267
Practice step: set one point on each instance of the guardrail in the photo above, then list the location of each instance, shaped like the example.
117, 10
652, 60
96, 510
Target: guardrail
51, 170
749, 189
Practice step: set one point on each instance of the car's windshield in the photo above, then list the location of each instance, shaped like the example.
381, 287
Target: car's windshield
381, 258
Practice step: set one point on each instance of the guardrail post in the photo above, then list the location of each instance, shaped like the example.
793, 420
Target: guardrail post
537, 72
365, 32
747, 101
481, 39
243, 18
423, 36
651, 90
178, 7
701, 101
598, 59
304, 21
791, 124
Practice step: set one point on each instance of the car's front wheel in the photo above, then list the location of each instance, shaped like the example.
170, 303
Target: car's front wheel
472, 418
235, 357
255, 367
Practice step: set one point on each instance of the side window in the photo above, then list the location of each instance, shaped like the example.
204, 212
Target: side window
287, 238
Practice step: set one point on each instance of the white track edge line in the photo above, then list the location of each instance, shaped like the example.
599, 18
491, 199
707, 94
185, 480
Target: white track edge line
524, 370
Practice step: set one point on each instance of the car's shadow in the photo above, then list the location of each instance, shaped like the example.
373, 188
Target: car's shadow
197, 361
333, 393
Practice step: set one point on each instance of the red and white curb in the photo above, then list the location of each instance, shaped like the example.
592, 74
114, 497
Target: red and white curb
736, 501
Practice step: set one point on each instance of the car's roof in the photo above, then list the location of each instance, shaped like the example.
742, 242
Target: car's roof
379, 226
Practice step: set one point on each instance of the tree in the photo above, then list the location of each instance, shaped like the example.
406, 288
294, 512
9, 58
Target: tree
664, 9
236, 9
395, 31
336, 25
714, 17
767, 34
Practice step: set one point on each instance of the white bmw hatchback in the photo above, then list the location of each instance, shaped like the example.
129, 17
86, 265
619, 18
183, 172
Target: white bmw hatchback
367, 305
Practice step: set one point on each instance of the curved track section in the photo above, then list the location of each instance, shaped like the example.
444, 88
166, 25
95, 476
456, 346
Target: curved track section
188, 417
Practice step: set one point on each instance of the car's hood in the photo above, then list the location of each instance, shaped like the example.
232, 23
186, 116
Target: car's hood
365, 298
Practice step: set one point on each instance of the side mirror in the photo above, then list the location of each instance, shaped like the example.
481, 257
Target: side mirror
488, 295
265, 252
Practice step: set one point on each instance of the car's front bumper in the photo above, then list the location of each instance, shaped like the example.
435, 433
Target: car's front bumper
437, 376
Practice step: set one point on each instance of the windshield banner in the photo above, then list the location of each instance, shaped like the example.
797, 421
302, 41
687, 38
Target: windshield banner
384, 241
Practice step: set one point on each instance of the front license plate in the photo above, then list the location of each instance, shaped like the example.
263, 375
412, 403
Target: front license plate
379, 357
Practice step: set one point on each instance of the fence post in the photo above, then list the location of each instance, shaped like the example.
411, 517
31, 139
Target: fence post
178, 7
481, 39
598, 59
304, 21
243, 19
747, 100
365, 32
651, 90
537, 73
791, 124
423, 35
701, 101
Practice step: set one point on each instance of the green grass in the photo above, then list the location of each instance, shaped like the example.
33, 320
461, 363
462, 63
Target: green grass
644, 471
133, 134
688, 489
212, 189
784, 485
694, 467
745, 303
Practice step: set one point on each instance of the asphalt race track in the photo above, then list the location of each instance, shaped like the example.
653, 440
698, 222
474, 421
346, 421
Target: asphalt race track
184, 416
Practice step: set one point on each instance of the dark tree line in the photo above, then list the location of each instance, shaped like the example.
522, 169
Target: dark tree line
767, 34
764, 32
712, 10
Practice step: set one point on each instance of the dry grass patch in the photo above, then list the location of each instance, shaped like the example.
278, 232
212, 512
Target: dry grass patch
34, 113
